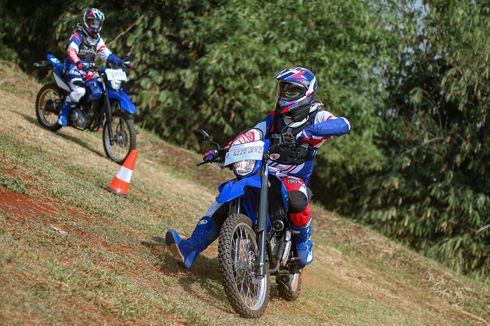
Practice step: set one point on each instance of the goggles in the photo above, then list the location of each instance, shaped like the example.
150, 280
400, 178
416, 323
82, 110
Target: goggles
290, 91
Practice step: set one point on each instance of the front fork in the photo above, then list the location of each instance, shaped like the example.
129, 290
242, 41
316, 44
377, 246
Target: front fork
262, 222
262, 218
108, 112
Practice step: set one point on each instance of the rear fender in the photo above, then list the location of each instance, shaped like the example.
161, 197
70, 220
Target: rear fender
57, 65
60, 81
58, 73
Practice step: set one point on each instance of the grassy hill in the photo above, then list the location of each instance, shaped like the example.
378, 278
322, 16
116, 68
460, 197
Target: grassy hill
72, 253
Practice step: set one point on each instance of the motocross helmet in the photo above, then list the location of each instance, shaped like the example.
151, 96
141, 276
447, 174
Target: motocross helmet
297, 88
93, 19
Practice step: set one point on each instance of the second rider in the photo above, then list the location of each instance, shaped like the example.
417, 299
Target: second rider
85, 45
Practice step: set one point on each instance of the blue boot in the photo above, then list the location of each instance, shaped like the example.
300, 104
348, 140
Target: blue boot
304, 246
64, 113
187, 250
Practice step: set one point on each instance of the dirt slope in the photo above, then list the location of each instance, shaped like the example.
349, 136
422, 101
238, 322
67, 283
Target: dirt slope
72, 253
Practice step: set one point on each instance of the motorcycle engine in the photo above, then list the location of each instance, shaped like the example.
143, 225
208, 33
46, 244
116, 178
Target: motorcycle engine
79, 118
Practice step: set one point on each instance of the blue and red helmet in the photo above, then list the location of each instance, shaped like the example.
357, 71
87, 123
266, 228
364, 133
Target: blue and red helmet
297, 88
93, 19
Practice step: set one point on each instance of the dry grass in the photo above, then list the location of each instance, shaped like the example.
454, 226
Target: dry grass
72, 253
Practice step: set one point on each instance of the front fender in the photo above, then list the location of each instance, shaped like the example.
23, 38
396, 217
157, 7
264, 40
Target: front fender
123, 99
236, 188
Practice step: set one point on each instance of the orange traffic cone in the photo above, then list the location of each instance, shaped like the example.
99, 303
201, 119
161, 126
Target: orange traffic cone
120, 183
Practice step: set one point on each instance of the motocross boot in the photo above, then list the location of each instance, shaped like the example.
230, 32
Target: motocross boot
64, 113
187, 250
304, 245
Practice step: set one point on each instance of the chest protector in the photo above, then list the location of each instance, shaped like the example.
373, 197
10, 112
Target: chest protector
284, 132
88, 49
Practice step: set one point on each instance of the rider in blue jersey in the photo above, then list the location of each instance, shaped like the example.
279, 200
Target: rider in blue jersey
85, 45
297, 116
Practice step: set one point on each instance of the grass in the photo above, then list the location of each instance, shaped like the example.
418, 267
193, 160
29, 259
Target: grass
72, 253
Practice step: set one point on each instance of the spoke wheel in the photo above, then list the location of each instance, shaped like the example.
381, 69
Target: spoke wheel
238, 257
123, 137
49, 100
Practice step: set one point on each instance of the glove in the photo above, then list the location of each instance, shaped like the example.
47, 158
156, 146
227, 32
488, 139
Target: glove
82, 66
128, 64
305, 135
114, 60
210, 155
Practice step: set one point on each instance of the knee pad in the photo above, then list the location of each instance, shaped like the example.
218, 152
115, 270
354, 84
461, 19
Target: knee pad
297, 201
77, 93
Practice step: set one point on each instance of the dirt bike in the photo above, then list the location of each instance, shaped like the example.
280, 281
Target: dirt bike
255, 240
113, 112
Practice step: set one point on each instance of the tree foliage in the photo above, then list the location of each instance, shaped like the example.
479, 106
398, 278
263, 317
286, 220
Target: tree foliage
433, 192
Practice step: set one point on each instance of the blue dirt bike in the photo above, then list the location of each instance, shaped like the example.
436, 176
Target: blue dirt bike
113, 112
255, 240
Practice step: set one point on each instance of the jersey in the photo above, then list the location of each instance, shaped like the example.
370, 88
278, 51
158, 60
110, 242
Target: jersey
86, 49
322, 125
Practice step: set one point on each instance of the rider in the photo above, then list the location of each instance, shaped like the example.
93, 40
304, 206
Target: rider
299, 117
85, 44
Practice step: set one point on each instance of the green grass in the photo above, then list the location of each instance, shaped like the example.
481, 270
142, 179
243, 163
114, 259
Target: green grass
15, 184
76, 254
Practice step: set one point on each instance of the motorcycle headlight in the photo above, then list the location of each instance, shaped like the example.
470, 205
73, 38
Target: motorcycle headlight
116, 84
243, 168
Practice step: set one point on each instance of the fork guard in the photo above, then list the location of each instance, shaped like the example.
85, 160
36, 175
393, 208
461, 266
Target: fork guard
124, 100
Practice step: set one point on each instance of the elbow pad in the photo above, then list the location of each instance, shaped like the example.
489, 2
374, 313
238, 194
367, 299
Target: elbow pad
332, 127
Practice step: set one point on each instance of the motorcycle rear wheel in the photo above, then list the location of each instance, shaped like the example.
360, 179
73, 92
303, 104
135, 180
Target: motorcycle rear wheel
49, 100
289, 286
238, 259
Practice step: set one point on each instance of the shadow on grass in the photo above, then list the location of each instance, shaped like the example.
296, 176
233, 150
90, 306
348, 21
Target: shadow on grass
62, 135
204, 273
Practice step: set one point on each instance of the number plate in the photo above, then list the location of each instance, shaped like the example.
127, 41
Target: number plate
116, 74
248, 151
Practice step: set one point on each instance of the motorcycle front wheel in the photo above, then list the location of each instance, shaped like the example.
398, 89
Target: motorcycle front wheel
123, 137
238, 255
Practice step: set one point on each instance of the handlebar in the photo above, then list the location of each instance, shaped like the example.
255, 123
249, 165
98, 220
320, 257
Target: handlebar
222, 151
93, 66
218, 159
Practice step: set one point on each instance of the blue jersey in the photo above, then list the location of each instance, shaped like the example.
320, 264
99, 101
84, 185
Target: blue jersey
321, 125
86, 49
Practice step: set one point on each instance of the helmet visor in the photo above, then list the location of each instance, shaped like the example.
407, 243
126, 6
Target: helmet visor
289, 91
